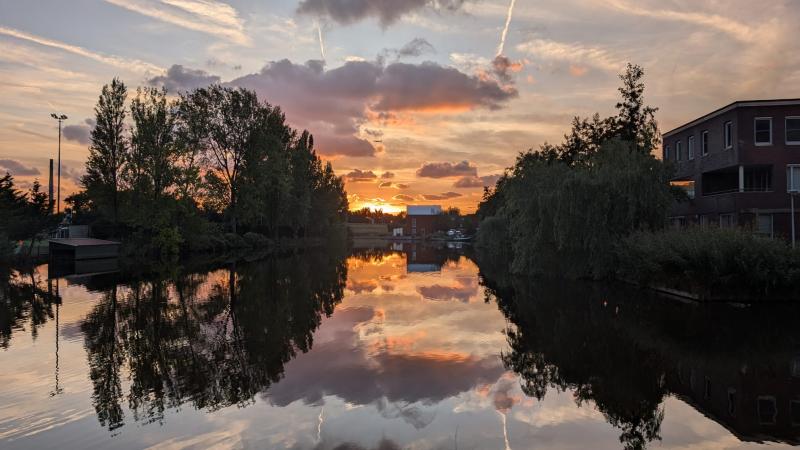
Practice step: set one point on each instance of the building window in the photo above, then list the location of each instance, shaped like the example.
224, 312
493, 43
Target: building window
690, 148
705, 143
703, 219
726, 220
728, 135
794, 406
767, 410
793, 130
763, 131
679, 150
793, 178
758, 179
707, 389
666, 153
732, 402
796, 367
764, 225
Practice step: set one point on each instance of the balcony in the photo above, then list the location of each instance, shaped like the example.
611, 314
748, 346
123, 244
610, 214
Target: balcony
734, 179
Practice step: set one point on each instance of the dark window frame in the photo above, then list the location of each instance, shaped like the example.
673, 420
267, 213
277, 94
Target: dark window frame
727, 131
756, 131
786, 130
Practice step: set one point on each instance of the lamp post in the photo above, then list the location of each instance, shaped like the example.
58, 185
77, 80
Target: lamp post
60, 118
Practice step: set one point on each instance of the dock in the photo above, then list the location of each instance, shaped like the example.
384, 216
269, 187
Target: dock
80, 249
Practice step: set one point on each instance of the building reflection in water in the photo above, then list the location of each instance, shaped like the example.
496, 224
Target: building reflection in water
413, 339
626, 351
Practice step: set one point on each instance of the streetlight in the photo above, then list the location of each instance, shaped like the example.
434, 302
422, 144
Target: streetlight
60, 118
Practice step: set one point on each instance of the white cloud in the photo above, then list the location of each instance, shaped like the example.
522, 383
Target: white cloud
116, 61
549, 50
207, 16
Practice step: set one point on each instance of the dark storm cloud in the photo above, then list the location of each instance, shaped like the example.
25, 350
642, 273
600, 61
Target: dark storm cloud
387, 12
358, 175
387, 175
443, 196
335, 103
447, 170
476, 182
179, 79
80, 133
16, 168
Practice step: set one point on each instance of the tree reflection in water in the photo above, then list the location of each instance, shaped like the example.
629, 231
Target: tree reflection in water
25, 298
210, 340
625, 350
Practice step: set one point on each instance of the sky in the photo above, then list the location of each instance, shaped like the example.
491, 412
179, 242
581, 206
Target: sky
413, 101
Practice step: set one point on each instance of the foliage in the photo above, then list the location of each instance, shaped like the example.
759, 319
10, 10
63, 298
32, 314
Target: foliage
573, 215
109, 149
712, 261
23, 216
565, 206
216, 159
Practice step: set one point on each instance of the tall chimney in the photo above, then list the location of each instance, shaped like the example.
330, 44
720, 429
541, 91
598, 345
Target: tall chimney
50, 188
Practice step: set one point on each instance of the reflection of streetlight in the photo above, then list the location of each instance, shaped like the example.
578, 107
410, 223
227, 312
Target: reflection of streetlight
60, 118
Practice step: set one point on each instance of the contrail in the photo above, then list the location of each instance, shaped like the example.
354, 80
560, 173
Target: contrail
321, 42
501, 47
503, 416
319, 425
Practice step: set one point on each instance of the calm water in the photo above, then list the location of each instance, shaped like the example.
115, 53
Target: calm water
413, 348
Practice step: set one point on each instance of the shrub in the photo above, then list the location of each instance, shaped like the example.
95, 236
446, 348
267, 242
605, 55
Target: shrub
709, 261
256, 240
167, 242
234, 241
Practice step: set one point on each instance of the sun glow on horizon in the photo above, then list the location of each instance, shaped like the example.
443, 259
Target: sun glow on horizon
385, 207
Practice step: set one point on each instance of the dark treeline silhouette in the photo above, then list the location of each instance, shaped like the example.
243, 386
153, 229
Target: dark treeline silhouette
208, 339
596, 206
625, 351
22, 215
174, 173
26, 301
564, 207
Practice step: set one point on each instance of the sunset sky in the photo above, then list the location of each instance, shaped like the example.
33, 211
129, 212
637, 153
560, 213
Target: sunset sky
408, 98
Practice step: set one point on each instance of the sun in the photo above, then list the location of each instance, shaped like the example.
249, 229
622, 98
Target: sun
385, 207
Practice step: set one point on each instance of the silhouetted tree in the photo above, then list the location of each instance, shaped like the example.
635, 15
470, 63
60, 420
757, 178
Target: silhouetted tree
109, 149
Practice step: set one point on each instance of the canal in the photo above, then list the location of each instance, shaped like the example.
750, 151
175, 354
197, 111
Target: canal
401, 347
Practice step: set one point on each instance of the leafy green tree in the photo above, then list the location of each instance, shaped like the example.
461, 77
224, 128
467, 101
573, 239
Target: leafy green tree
225, 125
109, 149
152, 165
635, 122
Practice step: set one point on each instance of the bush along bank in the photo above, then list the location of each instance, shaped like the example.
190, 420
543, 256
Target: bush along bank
711, 263
595, 207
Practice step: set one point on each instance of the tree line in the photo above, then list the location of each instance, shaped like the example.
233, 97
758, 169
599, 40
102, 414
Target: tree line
20, 214
564, 207
213, 160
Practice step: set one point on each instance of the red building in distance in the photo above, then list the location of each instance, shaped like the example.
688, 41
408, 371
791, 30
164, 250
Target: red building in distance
421, 220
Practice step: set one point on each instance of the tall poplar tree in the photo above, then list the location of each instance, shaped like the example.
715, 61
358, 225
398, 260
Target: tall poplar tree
109, 149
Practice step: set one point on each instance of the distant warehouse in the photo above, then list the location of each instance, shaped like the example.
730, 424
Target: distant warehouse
421, 219
738, 165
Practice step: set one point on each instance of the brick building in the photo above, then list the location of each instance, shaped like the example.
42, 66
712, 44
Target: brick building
738, 164
421, 220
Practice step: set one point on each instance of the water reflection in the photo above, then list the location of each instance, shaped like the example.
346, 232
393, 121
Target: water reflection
28, 300
212, 340
403, 346
625, 352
